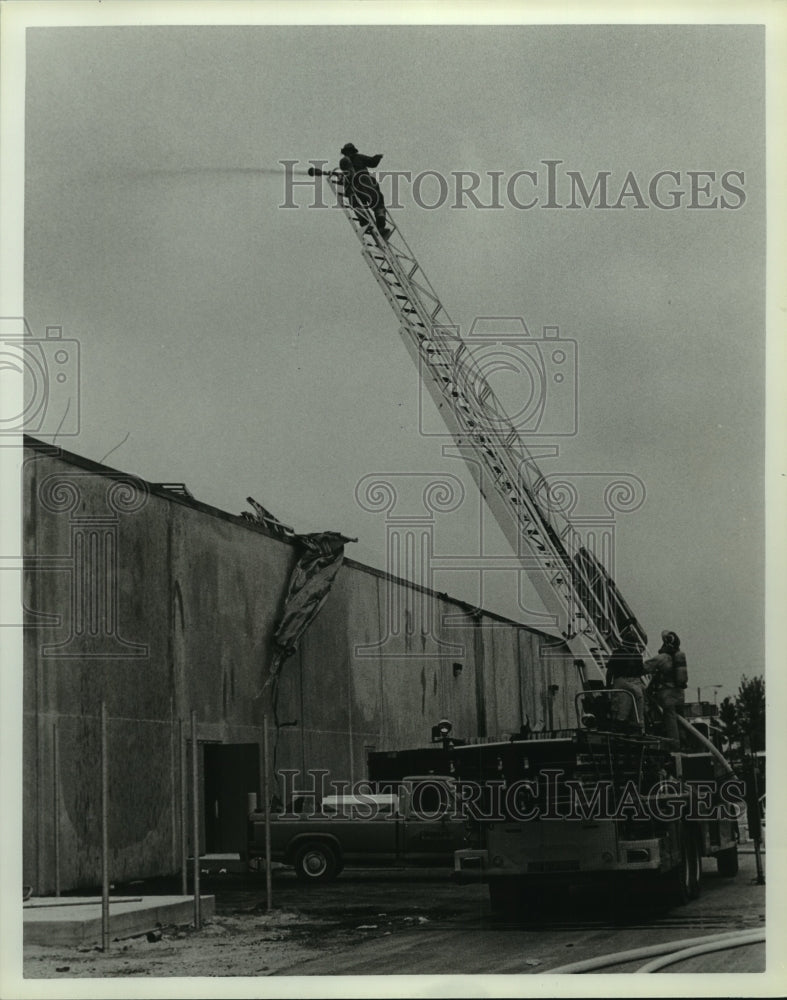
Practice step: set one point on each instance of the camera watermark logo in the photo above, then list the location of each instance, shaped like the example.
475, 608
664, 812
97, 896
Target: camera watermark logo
40, 380
534, 379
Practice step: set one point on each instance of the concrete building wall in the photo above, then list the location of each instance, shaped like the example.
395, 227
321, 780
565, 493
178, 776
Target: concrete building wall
157, 606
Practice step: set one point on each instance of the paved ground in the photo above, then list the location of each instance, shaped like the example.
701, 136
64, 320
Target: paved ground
455, 932
408, 923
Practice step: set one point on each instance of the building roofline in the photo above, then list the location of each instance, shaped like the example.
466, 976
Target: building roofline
158, 490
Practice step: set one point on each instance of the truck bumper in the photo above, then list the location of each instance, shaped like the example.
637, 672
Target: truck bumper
475, 865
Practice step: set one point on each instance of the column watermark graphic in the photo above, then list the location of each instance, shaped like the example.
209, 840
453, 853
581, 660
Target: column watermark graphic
410, 629
591, 501
482, 564
95, 505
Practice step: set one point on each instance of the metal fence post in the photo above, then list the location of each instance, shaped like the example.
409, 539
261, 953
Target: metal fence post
195, 818
184, 795
56, 803
266, 805
104, 830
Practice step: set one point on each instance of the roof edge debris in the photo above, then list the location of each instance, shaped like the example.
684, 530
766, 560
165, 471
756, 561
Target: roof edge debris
180, 494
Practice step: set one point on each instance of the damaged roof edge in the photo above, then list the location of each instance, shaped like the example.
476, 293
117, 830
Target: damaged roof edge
160, 490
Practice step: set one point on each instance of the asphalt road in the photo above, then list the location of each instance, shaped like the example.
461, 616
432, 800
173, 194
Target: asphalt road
409, 923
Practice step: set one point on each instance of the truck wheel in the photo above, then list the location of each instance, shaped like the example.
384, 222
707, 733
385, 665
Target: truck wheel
682, 882
727, 862
315, 862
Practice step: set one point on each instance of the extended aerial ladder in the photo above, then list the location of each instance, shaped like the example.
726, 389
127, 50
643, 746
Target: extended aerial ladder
573, 584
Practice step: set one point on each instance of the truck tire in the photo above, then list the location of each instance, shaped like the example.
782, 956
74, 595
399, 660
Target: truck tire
727, 862
315, 862
682, 883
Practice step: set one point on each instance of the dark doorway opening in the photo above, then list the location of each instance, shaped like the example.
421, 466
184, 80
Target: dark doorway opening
232, 770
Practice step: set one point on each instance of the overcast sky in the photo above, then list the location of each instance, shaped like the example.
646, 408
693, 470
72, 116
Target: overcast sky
246, 350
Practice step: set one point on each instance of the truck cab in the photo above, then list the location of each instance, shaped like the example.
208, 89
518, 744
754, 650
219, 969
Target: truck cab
417, 824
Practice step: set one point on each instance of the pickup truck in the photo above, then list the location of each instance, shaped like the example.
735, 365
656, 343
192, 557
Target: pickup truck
420, 825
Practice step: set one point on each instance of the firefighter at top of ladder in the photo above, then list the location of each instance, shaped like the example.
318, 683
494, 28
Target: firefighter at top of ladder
361, 188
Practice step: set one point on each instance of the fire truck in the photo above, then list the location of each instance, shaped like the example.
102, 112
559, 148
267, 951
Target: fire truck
563, 809
550, 812
566, 805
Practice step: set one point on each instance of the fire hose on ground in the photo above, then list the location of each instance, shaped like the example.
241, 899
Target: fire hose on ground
744, 938
672, 951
